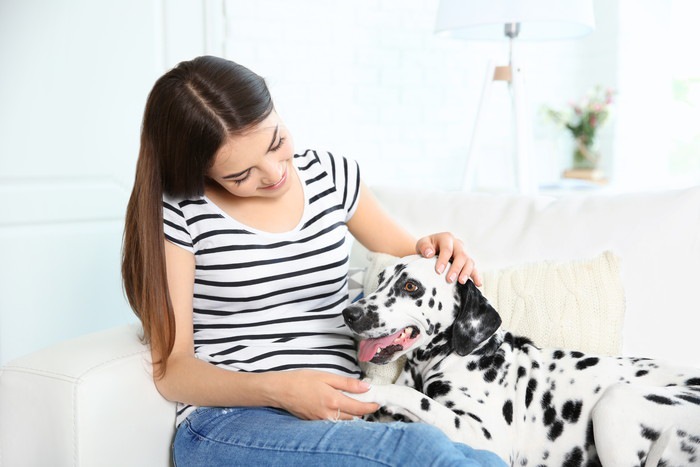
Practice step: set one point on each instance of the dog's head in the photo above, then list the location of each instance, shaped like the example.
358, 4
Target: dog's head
414, 308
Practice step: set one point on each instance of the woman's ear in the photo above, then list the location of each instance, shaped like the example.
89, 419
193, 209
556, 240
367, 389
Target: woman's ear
476, 320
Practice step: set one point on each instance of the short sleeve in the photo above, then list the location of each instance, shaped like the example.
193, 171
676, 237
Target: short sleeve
346, 178
352, 180
175, 225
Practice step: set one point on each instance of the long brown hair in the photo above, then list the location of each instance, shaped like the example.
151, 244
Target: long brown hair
190, 112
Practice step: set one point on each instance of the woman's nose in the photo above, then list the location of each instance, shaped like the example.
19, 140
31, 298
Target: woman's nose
272, 170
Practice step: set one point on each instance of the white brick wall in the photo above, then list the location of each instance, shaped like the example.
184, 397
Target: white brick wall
370, 79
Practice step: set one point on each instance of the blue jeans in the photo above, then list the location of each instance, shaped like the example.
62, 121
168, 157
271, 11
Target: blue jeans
261, 436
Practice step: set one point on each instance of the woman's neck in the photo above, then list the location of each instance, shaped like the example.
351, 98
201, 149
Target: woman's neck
275, 215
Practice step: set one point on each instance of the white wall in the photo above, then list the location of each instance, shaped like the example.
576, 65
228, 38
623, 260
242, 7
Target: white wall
74, 76
366, 79
371, 80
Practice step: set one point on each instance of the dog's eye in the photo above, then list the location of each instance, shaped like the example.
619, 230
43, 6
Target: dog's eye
410, 287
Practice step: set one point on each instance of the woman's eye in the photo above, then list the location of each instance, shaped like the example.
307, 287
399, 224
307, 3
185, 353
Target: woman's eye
238, 181
410, 287
278, 145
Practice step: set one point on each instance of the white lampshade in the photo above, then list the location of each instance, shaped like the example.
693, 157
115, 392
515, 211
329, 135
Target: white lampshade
539, 19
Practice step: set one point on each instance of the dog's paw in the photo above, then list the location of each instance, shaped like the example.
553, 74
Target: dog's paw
370, 395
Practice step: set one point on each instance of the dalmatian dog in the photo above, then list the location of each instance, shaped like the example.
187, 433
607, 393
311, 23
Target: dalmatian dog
493, 390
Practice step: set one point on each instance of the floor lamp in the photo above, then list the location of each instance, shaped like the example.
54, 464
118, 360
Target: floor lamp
512, 20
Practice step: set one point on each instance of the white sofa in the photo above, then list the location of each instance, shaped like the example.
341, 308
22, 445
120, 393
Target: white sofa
91, 401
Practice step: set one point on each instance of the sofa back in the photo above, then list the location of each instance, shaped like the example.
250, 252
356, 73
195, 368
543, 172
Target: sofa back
655, 234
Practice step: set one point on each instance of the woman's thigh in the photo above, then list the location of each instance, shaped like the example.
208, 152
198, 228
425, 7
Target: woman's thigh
268, 437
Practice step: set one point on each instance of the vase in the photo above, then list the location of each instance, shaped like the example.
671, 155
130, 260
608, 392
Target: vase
586, 154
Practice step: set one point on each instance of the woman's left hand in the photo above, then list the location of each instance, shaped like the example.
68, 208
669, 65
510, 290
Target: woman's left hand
447, 247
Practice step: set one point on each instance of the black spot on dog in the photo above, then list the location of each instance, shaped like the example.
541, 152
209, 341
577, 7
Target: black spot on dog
485, 362
434, 292
571, 411
589, 435
474, 417
508, 411
490, 375
438, 388
449, 404
419, 303
457, 422
521, 372
641, 373
693, 382
472, 365
380, 277
552, 366
573, 458
531, 387
576, 354
425, 404
521, 343
459, 412
690, 398
431, 302
558, 355
555, 431
439, 306
660, 399
550, 414
649, 433
587, 362
546, 399
389, 302
487, 435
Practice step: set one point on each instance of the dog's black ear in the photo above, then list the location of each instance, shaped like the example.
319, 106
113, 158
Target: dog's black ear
476, 319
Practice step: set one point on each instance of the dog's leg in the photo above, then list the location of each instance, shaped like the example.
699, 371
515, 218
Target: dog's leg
416, 406
650, 425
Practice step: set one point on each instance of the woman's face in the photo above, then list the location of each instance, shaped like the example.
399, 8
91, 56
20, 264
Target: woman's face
257, 163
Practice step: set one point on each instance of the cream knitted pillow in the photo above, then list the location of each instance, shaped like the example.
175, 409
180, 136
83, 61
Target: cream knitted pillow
576, 305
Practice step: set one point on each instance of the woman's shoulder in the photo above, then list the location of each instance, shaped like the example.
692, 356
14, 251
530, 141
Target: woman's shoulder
326, 159
180, 205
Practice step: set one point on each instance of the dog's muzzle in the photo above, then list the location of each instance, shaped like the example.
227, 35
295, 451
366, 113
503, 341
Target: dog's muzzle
378, 350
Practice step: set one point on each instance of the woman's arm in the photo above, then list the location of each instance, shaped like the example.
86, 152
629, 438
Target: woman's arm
306, 394
377, 231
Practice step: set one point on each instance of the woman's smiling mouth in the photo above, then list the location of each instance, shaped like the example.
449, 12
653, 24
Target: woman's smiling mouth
279, 184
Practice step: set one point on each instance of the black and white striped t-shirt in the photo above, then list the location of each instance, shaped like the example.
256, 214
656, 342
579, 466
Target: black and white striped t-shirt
273, 301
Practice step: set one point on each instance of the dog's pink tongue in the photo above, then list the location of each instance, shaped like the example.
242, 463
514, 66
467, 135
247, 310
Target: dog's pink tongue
368, 347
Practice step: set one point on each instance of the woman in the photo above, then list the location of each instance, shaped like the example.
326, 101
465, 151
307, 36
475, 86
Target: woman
235, 262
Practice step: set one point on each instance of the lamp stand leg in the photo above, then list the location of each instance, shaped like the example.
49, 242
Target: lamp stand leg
513, 75
472, 162
523, 133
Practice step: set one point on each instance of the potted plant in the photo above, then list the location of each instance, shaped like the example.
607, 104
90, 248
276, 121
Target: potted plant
583, 119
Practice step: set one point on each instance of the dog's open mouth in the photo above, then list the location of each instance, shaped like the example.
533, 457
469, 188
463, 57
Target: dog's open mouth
381, 349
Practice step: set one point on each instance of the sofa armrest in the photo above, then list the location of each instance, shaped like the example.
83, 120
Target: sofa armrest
88, 401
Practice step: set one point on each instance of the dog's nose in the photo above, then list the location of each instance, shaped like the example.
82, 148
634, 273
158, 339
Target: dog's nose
352, 314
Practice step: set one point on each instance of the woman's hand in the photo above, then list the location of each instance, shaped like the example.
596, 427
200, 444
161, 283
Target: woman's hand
316, 395
447, 247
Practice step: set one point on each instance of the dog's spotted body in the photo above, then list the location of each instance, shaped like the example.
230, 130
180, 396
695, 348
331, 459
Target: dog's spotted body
493, 390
